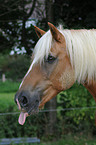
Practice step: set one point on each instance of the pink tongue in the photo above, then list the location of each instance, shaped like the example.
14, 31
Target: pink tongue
22, 118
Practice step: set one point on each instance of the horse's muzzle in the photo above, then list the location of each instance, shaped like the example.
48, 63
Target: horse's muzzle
28, 101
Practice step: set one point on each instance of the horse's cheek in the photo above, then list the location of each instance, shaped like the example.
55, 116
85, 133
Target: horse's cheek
67, 79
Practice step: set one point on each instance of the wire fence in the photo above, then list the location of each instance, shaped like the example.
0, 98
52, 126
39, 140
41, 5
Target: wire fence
63, 121
52, 110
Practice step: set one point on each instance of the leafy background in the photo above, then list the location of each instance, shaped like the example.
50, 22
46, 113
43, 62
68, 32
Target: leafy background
14, 15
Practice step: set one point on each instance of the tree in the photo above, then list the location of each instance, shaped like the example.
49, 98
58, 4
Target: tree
13, 30
75, 14
25, 17
9, 13
50, 129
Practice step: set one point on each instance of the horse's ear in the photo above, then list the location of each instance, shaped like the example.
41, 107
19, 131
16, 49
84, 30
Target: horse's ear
56, 33
39, 32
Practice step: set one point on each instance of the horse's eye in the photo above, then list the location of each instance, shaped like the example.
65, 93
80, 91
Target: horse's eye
50, 59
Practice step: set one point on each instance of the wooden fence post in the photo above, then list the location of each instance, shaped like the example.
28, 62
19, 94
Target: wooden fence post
3, 78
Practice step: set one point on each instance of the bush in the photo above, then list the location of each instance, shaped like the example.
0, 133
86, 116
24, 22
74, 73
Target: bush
15, 67
9, 126
76, 97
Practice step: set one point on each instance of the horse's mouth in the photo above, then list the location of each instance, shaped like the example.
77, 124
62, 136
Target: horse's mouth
24, 114
29, 103
30, 109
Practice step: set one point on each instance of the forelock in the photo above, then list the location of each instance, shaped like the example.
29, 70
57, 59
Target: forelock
42, 48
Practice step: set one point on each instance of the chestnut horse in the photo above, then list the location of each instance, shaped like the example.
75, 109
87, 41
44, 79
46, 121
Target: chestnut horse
60, 58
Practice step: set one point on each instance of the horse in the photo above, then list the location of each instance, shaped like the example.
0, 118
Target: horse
60, 58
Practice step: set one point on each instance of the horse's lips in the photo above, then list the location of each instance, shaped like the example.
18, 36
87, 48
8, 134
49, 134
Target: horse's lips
23, 115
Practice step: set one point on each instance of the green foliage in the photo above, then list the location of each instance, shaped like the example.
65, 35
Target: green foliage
76, 139
76, 97
14, 67
14, 15
14, 30
75, 14
4, 59
9, 29
10, 127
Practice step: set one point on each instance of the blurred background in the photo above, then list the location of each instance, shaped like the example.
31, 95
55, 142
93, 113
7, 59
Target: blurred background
67, 119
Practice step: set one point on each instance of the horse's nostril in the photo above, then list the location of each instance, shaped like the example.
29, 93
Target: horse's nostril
24, 101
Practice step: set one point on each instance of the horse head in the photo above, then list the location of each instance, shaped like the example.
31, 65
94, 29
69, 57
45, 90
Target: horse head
50, 72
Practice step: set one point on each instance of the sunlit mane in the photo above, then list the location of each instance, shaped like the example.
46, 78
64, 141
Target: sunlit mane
81, 48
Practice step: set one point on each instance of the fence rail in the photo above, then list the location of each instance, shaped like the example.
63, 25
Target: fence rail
8, 141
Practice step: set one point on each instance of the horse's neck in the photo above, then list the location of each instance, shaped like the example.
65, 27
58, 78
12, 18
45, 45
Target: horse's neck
92, 89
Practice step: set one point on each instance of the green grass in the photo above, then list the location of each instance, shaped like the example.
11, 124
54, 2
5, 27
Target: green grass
7, 93
7, 100
9, 86
72, 140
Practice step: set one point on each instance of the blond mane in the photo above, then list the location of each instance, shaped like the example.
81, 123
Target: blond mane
81, 48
